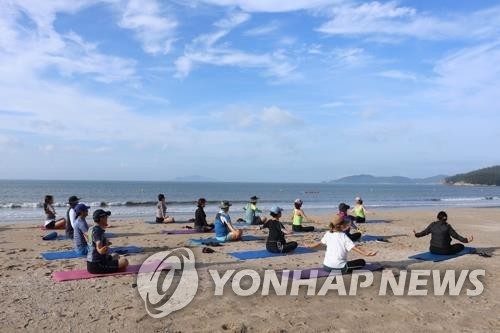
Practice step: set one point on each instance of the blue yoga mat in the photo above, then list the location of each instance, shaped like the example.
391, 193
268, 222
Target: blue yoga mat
427, 256
258, 254
63, 237
371, 238
375, 221
72, 254
199, 241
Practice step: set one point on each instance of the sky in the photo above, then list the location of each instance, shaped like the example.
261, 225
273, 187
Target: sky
242, 90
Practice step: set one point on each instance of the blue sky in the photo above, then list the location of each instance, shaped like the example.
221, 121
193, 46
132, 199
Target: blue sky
241, 90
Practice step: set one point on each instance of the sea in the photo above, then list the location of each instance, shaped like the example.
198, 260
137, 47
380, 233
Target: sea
21, 200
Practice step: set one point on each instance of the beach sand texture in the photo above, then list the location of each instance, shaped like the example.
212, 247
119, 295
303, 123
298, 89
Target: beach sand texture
31, 301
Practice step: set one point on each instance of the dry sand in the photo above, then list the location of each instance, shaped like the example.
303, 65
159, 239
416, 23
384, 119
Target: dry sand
32, 301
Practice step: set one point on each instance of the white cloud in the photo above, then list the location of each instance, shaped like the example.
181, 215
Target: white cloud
275, 116
398, 75
262, 30
232, 21
350, 57
154, 27
272, 6
333, 105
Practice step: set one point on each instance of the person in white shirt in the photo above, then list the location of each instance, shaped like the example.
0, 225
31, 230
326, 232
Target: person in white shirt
338, 245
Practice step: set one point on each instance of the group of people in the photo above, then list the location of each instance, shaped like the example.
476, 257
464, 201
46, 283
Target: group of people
339, 239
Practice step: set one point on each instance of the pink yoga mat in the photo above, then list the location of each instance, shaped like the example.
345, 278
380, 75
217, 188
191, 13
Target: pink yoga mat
82, 274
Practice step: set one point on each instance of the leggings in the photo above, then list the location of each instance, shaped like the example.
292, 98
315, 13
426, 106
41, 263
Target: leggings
354, 236
281, 248
349, 266
455, 248
360, 219
300, 228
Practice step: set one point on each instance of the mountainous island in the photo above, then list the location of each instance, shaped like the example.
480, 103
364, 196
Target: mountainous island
369, 179
486, 176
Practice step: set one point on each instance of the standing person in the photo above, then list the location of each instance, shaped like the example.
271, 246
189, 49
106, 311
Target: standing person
80, 241
71, 216
343, 208
276, 242
50, 215
200, 218
359, 211
298, 216
98, 259
251, 212
224, 230
441, 234
161, 211
338, 244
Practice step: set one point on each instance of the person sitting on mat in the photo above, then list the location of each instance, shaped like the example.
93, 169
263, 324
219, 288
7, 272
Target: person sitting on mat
359, 211
50, 215
200, 218
251, 212
338, 244
224, 230
98, 259
276, 242
441, 233
343, 208
298, 216
161, 211
71, 216
81, 229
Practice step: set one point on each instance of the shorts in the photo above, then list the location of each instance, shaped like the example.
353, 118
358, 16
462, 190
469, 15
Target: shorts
50, 225
226, 238
109, 265
360, 219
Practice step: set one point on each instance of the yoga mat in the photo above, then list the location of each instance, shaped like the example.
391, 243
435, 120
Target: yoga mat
427, 256
258, 254
305, 274
371, 238
183, 232
374, 221
83, 274
63, 237
176, 222
199, 241
72, 254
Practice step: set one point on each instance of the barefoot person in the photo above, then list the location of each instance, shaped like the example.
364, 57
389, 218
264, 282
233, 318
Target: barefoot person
298, 217
359, 211
71, 216
276, 242
161, 211
80, 241
200, 218
252, 212
98, 259
343, 208
441, 234
224, 230
50, 215
338, 244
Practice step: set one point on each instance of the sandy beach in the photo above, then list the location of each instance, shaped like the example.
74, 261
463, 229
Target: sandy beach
31, 301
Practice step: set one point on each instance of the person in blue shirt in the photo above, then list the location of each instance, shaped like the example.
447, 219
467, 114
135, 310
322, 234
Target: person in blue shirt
81, 228
224, 230
98, 259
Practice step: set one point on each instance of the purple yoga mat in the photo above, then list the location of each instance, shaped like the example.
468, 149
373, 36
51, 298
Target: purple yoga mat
182, 232
83, 274
306, 273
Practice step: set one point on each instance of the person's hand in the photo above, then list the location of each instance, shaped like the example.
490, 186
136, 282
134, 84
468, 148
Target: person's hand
109, 243
414, 232
470, 239
371, 253
105, 249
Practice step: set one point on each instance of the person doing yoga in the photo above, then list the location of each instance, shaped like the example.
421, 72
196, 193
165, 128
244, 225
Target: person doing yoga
276, 242
298, 216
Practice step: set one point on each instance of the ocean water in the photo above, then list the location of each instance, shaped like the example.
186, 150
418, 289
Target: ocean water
21, 200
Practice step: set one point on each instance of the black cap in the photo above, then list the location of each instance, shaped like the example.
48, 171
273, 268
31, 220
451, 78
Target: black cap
73, 199
344, 206
100, 213
254, 198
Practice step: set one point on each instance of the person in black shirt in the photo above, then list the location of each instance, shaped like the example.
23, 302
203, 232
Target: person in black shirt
276, 242
200, 218
441, 233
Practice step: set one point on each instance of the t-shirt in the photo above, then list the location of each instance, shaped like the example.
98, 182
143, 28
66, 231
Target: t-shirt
251, 211
337, 246
161, 210
81, 228
200, 218
96, 234
50, 213
275, 232
221, 221
72, 217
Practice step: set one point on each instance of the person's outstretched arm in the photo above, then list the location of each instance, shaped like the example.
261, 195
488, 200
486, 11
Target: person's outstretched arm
361, 251
424, 232
455, 235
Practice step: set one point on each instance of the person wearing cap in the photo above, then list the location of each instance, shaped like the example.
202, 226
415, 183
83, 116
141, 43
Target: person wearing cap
200, 218
81, 229
98, 259
359, 211
276, 242
251, 212
71, 216
343, 208
50, 215
224, 230
338, 244
298, 216
161, 211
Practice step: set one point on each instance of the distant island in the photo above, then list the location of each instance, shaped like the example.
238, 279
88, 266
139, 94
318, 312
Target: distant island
194, 178
486, 176
369, 179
